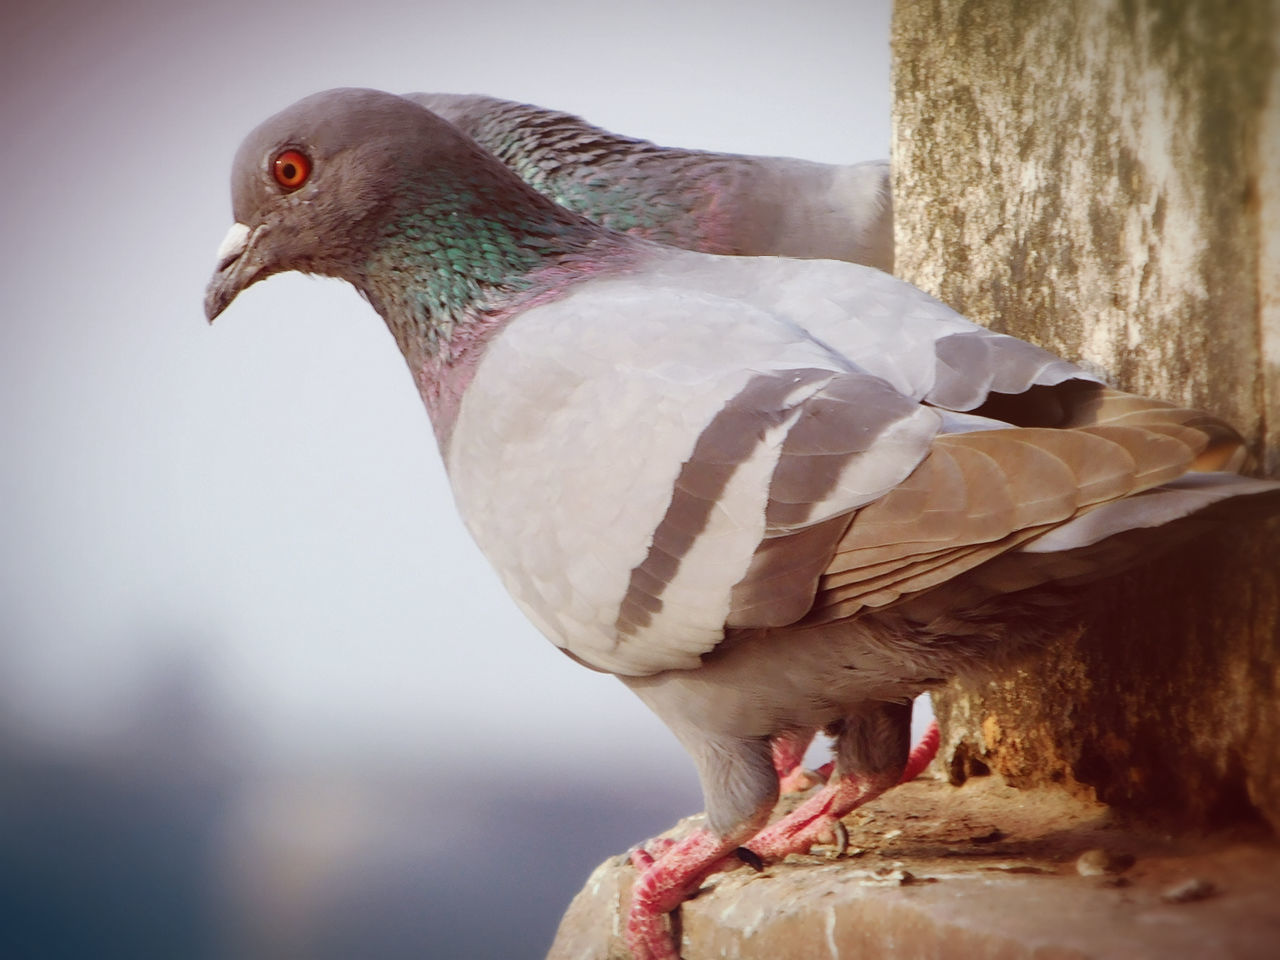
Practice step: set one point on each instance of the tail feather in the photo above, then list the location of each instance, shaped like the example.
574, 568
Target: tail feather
1122, 463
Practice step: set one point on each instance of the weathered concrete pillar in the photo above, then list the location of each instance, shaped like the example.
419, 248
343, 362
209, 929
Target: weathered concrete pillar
1102, 177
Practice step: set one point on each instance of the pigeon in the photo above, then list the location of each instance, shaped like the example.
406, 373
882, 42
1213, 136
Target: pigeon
714, 202
769, 494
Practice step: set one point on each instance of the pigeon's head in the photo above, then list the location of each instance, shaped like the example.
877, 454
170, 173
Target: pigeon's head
314, 187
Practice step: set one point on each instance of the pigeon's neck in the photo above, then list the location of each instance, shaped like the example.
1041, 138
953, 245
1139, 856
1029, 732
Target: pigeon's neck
451, 274
544, 147
634, 186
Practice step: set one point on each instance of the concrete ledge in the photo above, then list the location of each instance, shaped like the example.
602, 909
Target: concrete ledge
980, 871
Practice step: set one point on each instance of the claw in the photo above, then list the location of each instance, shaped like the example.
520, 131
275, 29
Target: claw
842, 839
750, 859
818, 817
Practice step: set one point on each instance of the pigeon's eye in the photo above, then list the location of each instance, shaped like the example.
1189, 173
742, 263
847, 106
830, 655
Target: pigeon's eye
291, 169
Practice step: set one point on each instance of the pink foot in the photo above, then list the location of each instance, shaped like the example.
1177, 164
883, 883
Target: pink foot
799, 780
663, 885
643, 856
817, 820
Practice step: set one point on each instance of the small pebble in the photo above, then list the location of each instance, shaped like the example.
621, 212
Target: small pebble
887, 876
1098, 862
1189, 891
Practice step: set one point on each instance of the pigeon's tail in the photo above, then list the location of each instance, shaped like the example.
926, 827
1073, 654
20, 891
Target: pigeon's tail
1126, 533
1200, 497
1217, 445
1114, 463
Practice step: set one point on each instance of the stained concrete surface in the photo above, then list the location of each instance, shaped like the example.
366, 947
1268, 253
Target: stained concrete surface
978, 871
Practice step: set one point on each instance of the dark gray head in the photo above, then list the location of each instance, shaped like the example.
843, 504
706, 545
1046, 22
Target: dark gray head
315, 186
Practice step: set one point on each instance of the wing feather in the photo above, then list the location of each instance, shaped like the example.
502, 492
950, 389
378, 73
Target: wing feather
981, 494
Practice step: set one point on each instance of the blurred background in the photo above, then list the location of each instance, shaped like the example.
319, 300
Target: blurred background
259, 694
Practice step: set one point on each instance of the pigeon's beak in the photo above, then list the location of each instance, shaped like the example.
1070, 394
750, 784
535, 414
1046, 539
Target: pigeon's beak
239, 265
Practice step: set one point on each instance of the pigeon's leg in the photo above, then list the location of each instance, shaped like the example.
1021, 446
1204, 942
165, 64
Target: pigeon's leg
789, 749
788, 759
922, 753
871, 756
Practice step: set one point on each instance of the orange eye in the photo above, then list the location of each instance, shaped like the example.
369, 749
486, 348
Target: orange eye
291, 169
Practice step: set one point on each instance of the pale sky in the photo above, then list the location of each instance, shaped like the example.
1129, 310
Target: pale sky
261, 503
267, 491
